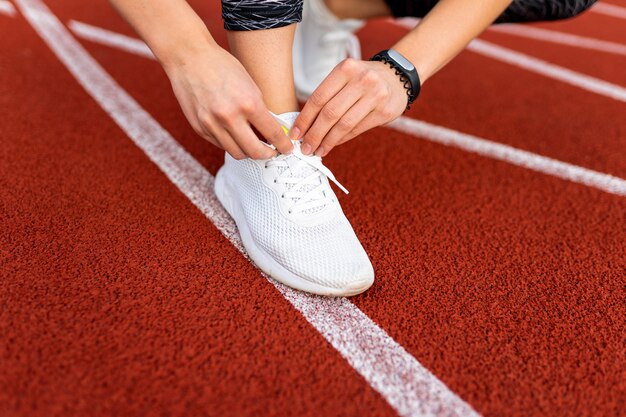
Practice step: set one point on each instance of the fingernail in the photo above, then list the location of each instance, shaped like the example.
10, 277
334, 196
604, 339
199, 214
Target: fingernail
295, 133
320, 151
306, 149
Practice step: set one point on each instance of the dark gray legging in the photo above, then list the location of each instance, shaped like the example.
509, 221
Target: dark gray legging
267, 14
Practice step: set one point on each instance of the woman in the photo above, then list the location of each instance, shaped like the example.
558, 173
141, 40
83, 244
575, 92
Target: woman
289, 219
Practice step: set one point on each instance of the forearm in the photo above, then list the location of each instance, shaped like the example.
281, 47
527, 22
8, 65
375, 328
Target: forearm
172, 30
445, 31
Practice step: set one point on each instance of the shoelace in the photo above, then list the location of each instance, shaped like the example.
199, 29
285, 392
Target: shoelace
353, 46
308, 192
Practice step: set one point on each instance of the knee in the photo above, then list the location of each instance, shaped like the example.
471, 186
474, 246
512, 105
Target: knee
574, 8
541, 10
244, 15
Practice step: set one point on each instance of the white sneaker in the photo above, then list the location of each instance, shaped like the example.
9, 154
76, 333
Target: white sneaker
321, 42
291, 223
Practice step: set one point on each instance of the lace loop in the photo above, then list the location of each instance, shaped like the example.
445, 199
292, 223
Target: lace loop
302, 175
347, 38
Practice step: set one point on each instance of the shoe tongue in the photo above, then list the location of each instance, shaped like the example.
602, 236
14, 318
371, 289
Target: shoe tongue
298, 169
286, 120
294, 165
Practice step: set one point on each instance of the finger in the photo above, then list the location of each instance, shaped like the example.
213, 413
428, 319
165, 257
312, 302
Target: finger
230, 146
350, 121
271, 130
332, 113
206, 135
243, 135
216, 134
332, 84
371, 121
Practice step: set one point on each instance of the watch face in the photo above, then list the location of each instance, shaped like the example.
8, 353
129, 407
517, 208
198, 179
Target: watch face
400, 60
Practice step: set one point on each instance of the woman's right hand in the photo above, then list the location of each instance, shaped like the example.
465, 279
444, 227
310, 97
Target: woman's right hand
222, 102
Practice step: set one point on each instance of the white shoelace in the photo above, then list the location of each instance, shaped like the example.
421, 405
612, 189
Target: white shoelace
304, 174
347, 38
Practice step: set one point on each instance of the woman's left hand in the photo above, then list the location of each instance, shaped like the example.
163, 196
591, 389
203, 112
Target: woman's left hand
355, 97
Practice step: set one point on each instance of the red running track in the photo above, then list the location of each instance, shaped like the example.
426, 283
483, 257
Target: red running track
120, 298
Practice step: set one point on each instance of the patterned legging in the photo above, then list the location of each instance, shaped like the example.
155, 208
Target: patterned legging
267, 14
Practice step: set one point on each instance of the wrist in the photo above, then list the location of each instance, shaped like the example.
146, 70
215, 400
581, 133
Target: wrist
420, 62
404, 70
419, 48
173, 54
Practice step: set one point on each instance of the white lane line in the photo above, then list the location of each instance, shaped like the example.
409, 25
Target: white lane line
544, 35
112, 39
7, 8
449, 137
541, 67
529, 160
400, 379
561, 38
491, 50
609, 10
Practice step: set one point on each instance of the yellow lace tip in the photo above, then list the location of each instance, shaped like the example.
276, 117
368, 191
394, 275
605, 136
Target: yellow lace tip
285, 130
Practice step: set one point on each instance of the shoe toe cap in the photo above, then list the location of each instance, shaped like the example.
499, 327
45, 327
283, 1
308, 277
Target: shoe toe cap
346, 277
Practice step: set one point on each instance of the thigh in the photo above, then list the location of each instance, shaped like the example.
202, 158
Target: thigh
539, 10
518, 11
410, 8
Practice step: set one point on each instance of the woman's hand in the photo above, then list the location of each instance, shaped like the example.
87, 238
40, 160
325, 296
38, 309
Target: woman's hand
221, 102
355, 97
217, 95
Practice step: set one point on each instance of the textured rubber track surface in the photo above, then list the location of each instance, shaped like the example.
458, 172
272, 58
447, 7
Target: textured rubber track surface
561, 130
122, 298
119, 297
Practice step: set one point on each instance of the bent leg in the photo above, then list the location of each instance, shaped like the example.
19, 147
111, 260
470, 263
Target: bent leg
358, 9
266, 55
518, 10
260, 34
540, 10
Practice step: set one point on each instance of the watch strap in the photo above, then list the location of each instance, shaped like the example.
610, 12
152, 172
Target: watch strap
408, 77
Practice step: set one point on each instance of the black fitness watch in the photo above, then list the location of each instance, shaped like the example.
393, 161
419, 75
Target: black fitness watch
406, 71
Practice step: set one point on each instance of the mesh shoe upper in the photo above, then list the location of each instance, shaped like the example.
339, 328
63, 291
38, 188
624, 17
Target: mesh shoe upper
325, 250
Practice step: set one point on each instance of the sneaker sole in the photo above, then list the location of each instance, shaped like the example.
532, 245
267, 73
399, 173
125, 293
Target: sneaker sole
268, 264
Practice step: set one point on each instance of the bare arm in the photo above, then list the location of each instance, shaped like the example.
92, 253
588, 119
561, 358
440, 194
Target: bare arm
170, 28
445, 31
359, 95
215, 92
